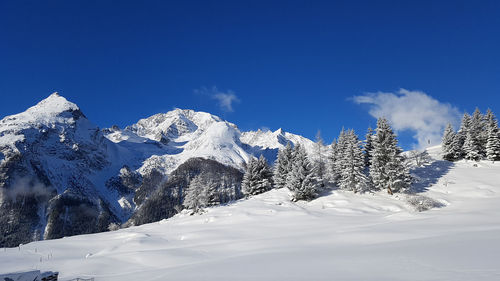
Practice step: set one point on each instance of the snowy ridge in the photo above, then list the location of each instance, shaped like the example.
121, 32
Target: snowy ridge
181, 135
48, 112
177, 124
340, 235
184, 134
53, 127
275, 140
219, 142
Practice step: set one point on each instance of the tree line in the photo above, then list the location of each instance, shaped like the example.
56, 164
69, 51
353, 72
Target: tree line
359, 166
372, 164
477, 138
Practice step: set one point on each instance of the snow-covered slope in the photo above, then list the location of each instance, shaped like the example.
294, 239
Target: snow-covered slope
339, 236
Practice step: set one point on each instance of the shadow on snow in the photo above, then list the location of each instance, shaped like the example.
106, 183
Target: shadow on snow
429, 175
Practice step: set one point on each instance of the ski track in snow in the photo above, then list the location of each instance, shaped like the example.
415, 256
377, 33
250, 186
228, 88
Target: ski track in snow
339, 236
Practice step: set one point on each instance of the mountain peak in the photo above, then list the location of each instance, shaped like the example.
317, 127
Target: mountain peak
54, 108
54, 103
173, 124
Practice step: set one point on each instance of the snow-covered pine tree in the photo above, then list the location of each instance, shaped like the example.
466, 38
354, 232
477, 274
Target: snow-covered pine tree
479, 132
282, 166
332, 175
471, 147
493, 145
250, 178
489, 119
368, 145
319, 161
339, 150
448, 146
459, 141
196, 198
352, 176
266, 173
257, 178
302, 180
493, 141
211, 193
387, 169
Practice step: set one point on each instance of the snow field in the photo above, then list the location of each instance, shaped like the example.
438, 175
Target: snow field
339, 236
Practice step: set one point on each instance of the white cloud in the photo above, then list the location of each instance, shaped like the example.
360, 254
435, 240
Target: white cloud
414, 111
225, 100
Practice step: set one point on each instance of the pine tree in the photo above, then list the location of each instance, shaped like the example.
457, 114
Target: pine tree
196, 198
302, 180
257, 178
471, 147
211, 193
479, 132
493, 141
490, 119
368, 147
337, 165
266, 173
387, 169
448, 143
332, 159
250, 178
319, 161
282, 166
459, 141
352, 176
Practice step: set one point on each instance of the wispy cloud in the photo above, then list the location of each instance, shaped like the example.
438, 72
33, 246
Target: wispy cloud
414, 111
225, 100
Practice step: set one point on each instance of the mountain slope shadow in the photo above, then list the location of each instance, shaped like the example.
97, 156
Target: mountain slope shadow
430, 174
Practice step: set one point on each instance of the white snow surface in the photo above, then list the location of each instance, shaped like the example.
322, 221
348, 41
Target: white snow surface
339, 236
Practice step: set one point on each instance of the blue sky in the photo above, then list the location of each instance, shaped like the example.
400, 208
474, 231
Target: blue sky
290, 64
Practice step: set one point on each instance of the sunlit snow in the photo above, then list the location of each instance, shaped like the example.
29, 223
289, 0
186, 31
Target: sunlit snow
339, 236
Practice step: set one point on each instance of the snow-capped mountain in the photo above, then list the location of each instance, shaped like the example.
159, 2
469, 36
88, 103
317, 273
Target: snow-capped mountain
52, 156
275, 140
61, 175
186, 134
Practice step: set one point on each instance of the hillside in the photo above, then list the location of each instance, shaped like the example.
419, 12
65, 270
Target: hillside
341, 236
